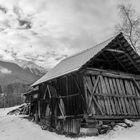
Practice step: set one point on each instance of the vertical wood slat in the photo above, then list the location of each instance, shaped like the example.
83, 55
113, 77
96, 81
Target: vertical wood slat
137, 90
126, 103
93, 90
126, 100
71, 126
129, 93
137, 93
106, 99
134, 92
86, 94
121, 100
92, 97
93, 110
114, 90
100, 102
126, 110
117, 105
39, 113
111, 98
132, 99
91, 101
101, 99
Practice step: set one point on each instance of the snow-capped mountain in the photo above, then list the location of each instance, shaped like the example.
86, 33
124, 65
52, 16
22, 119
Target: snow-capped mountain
12, 73
32, 67
14, 81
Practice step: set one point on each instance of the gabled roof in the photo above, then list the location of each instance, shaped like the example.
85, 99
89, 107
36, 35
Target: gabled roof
75, 62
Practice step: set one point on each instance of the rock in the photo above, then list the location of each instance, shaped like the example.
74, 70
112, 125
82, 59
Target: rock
89, 131
128, 122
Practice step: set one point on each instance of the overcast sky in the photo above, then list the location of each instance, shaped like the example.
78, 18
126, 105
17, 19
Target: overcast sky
59, 28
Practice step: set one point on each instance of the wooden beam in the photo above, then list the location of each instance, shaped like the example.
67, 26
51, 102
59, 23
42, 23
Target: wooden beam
61, 110
119, 61
67, 96
107, 117
100, 117
67, 92
115, 96
44, 96
114, 50
133, 62
93, 97
128, 56
49, 91
111, 73
138, 87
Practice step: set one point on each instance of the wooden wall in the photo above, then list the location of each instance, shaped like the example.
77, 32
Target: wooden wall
91, 92
112, 95
68, 93
62, 102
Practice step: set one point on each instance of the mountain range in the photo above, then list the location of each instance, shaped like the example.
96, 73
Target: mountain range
20, 55
15, 80
25, 73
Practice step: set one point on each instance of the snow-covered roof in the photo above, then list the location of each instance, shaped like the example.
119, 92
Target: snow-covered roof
73, 63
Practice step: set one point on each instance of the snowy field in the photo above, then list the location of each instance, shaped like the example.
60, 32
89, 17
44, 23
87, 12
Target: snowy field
17, 128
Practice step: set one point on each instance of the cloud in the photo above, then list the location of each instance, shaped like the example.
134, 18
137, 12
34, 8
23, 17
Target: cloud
5, 70
58, 29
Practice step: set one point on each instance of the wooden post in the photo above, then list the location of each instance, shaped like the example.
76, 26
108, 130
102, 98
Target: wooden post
39, 111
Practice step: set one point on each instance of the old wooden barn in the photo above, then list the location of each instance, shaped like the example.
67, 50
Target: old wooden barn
100, 83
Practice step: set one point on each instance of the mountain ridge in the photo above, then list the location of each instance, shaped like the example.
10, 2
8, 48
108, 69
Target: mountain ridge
11, 72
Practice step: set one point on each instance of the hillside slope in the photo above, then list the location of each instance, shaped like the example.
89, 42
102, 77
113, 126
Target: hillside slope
14, 81
12, 73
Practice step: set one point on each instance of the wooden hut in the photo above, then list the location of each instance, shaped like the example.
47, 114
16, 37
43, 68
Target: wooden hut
100, 83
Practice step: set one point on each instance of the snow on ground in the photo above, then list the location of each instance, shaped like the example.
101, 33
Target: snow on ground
17, 128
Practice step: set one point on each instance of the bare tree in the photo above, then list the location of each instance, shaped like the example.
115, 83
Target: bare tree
129, 25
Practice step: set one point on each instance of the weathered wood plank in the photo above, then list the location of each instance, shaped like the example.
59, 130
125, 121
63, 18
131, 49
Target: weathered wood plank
124, 93
86, 94
39, 113
93, 90
89, 88
134, 93
114, 88
137, 90
111, 73
104, 91
109, 93
129, 91
126, 110
101, 98
92, 107
95, 100
61, 107
120, 92
93, 80
49, 91
113, 92
132, 100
